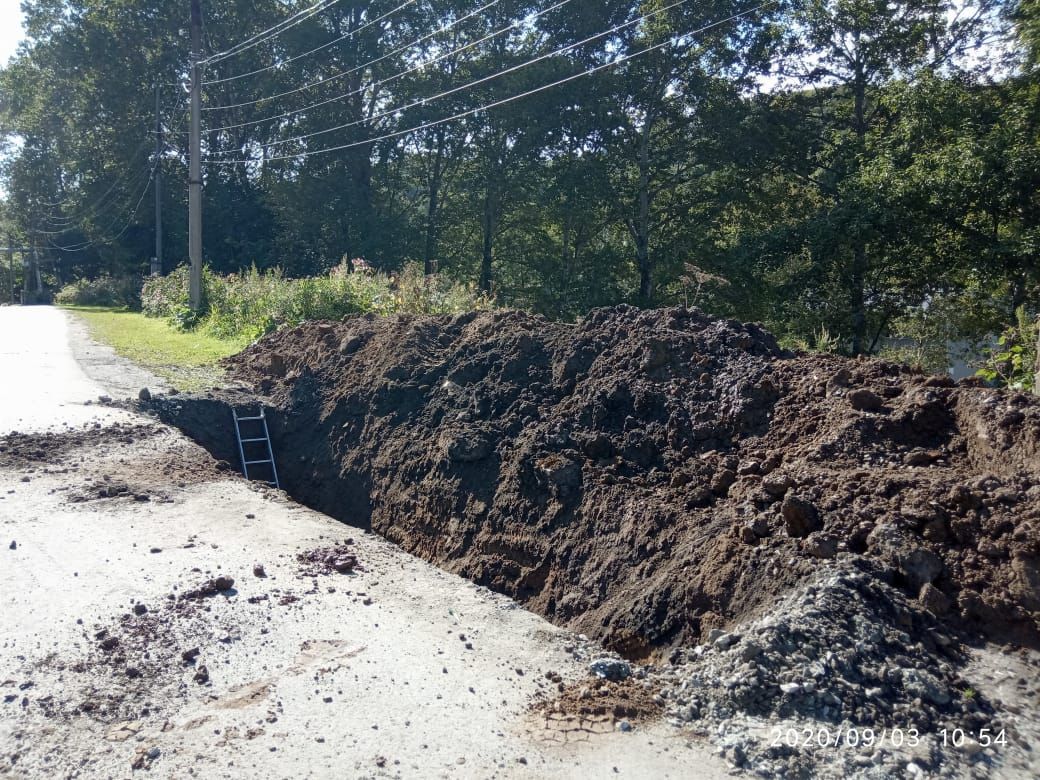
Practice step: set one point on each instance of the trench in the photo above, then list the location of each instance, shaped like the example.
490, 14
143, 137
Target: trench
310, 479
644, 491
311, 473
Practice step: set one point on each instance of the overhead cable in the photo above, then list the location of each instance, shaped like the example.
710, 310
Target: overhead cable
473, 111
67, 225
283, 63
121, 205
394, 77
98, 204
69, 199
463, 87
271, 32
112, 239
376, 61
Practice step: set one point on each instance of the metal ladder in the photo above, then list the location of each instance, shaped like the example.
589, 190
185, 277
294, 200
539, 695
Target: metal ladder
254, 441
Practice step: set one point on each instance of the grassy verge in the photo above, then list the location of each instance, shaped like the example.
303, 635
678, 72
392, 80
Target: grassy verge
188, 361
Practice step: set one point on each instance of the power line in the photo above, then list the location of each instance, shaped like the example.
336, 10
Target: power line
60, 220
488, 106
394, 77
477, 82
117, 236
315, 50
83, 222
94, 211
178, 115
69, 199
99, 205
341, 74
271, 32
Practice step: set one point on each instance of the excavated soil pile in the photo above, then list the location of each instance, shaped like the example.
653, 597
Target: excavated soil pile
649, 476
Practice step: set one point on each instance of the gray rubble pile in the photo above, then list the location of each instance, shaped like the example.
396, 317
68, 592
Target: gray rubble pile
843, 655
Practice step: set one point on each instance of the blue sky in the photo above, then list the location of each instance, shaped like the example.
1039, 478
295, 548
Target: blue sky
10, 27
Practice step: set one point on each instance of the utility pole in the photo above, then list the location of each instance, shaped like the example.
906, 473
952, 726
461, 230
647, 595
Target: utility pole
195, 165
27, 271
36, 269
10, 262
157, 260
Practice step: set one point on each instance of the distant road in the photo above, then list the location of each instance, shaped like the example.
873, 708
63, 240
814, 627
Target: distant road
41, 385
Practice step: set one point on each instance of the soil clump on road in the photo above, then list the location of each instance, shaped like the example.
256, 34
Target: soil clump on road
23, 449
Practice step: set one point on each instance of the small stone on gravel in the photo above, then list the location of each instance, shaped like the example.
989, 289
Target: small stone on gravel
611, 669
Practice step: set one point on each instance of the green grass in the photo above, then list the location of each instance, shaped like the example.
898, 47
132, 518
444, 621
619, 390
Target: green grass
188, 361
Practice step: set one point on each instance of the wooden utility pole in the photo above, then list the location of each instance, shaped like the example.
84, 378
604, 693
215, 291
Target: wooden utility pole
195, 162
26, 273
157, 260
36, 272
10, 262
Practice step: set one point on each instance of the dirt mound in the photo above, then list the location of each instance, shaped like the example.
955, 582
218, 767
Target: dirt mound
649, 476
845, 653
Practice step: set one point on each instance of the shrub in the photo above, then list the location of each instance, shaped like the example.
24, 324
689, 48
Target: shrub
163, 296
113, 291
1013, 362
821, 342
253, 303
417, 293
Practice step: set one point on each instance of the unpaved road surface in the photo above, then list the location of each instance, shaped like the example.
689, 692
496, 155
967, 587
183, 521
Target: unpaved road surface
43, 387
155, 615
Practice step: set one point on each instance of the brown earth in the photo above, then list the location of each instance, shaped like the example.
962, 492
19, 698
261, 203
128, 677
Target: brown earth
20, 449
628, 699
160, 461
648, 476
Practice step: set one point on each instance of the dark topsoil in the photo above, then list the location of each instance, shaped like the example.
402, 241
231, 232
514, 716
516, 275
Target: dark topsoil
646, 476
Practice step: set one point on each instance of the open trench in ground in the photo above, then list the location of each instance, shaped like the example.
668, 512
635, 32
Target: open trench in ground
647, 477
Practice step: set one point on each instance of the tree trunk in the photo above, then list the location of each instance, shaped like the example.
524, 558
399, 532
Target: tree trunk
432, 206
1019, 294
360, 166
1036, 377
641, 233
488, 225
646, 280
857, 299
860, 261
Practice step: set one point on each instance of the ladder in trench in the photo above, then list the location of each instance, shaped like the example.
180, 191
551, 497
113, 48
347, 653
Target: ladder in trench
257, 443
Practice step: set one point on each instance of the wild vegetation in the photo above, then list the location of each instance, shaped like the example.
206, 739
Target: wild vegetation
856, 173
252, 303
106, 291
